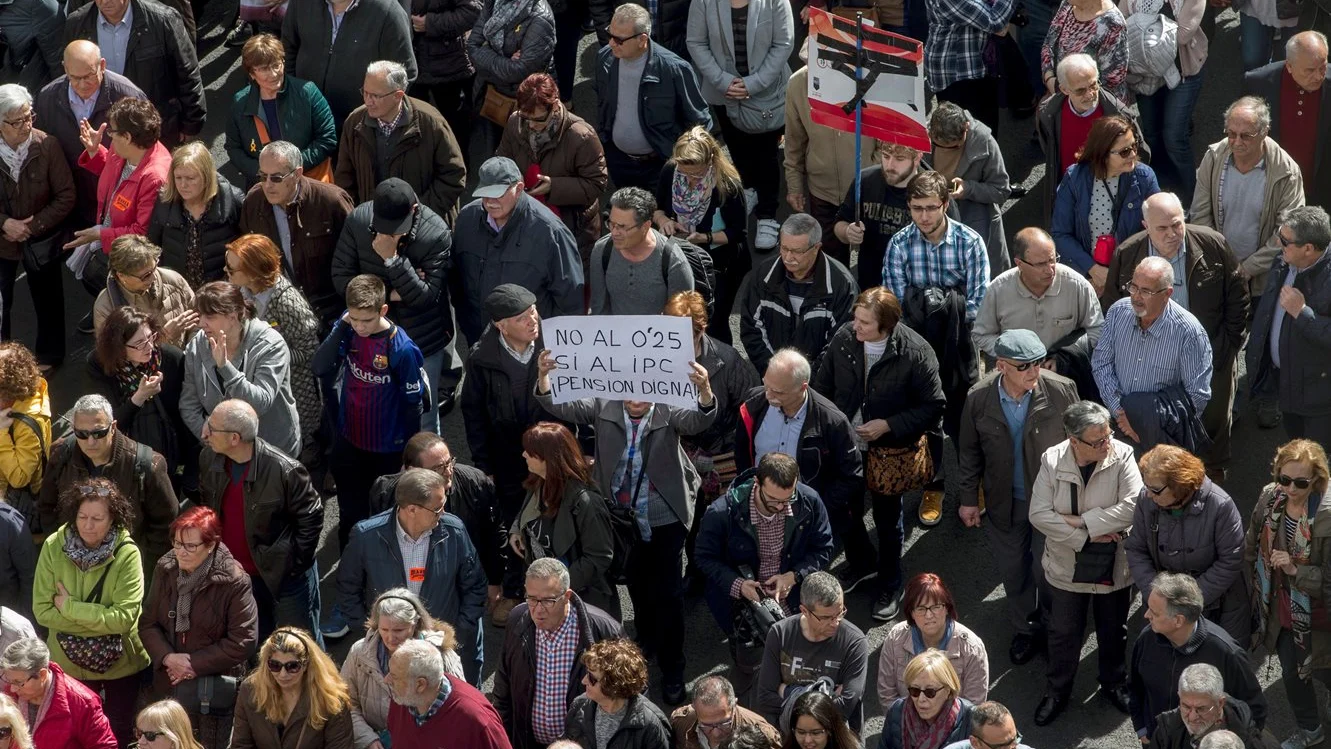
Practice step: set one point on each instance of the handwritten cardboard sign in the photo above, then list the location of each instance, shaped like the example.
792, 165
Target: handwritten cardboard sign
622, 357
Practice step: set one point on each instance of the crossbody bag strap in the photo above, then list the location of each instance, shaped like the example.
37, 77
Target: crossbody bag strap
36, 429
96, 595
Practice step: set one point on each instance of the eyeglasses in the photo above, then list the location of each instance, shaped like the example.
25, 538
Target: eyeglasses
544, 603
436, 511
798, 253
1051, 262
19, 684
838, 616
291, 667
143, 277
144, 344
1003, 744
1132, 289
622, 39
778, 501
1245, 137
930, 692
537, 120
92, 434
717, 727
1285, 242
1125, 151
816, 733
273, 69
228, 270
927, 209
374, 98
97, 491
274, 179
191, 548
1096, 445
1301, 483
445, 468
1084, 90
614, 226
82, 78
1023, 366
936, 609
212, 428
20, 122
1198, 711
149, 735
1155, 491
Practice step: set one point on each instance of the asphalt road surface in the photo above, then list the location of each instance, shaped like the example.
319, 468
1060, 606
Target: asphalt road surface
957, 554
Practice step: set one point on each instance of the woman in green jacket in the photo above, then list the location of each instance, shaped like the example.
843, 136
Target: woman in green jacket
88, 592
290, 108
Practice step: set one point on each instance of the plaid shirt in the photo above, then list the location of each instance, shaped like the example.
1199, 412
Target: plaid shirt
445, 689
959, 262
958, 33
555, 653
771, 542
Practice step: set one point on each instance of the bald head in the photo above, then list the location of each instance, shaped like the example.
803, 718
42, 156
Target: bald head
82, 51
1312, 43
85, 67
1162, 204
1163, 219
1305, 59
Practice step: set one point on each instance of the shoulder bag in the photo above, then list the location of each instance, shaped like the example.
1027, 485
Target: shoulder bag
1095, 561
744, 113
99, 652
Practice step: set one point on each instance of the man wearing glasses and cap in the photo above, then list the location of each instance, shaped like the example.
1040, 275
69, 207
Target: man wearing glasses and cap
1010, 418
507, 236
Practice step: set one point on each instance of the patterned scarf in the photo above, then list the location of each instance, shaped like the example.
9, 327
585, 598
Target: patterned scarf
186, 586
194, 246
542, 141
918, 734
86, 558
691, 198
129, 374
1274, 582
503, 14
14, 157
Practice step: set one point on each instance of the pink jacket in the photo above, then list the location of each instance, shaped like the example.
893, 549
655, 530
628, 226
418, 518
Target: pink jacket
965, 651
72, 718
132, 205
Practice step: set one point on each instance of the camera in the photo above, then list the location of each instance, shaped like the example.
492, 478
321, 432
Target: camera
754, 619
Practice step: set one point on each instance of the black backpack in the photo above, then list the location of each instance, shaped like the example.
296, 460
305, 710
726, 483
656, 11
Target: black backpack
704, 272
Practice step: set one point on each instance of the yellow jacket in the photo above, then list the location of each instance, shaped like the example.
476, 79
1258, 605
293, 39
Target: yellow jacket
21, 460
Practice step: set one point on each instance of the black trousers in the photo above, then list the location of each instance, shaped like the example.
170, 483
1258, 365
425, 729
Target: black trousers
890, 521
979, 95
568, 32
656, 586
453, 100
1067, 625
825, 214
1315, 428
732, 263
757, 156
626, 171
48, 301
355, 470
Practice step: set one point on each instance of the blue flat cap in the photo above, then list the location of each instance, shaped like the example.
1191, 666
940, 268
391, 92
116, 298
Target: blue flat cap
1019, 346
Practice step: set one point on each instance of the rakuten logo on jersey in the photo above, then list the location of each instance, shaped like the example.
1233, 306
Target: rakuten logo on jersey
370, 377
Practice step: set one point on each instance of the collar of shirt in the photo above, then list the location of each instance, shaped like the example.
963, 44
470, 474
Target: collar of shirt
799, 415
404, 537
295, 199
445, 689
1194, 640
78, 102
1261, 164
1164, 323
1054, 287
1180, 256
569, 626
337, 15
1018, 402
756, 515
1316, 263
524, 356
1087, 113
388, 127
125, 22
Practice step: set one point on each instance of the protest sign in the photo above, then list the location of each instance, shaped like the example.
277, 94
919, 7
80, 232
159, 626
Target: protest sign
622, 357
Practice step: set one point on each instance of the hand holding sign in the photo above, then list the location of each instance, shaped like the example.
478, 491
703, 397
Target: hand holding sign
623, 357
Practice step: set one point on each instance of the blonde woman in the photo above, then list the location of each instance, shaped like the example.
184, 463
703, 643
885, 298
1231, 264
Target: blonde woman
700, 200
932, 714
295, 688
13, 728
197, 213
396, 616
161, 725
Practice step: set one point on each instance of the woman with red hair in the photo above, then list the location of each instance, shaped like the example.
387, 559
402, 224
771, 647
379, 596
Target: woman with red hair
560, 156
931, 622
565, 516
200, 623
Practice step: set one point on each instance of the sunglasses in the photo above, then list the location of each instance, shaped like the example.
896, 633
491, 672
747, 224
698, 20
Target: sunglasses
1025, 365
1125, 151
148, 735
292, 667
85, 434
1155, 491
622, 39
1094, 445
931, 692
1301, 483
593, 679
275, 179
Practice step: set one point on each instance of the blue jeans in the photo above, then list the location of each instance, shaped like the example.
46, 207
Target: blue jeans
434, 365
1030, 38
1255, 42
1166, 117
297, 604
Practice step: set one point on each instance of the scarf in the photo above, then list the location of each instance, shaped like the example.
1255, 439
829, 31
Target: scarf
86, 558
541, 142
1293, 603
503, 14
186, 586
129, 374
14, 157
917, 641
691, 198
917, 734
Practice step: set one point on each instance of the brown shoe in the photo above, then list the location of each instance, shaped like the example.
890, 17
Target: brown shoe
499, 616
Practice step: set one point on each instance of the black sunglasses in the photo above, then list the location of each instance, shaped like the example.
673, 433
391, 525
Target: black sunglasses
1301, 483
623, 39
291, 667
149, 735
593, 679
931, 692
1025, 365
84, 434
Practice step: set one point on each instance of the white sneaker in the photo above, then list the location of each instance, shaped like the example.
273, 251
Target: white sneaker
750, 199
1303, 739
769, 233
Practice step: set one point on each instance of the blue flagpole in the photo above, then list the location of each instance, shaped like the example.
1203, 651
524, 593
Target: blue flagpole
859, 105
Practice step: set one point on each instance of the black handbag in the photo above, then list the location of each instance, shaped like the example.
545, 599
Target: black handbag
1095, 562
208, 695
38, 254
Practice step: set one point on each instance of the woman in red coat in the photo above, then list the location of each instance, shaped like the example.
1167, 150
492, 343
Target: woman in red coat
71, 718
130, 176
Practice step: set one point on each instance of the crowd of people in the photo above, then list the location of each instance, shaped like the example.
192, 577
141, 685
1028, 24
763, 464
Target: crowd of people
294, 335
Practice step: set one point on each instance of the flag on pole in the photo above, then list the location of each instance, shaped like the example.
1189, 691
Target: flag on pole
890, 91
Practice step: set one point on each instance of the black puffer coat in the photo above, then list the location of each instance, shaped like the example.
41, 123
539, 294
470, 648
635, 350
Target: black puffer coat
220, 224
441, 50
732, 378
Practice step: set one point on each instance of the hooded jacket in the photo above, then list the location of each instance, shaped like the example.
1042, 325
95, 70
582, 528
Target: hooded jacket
259, 373
217, 227
987, 186
515, 676
73, 719
369, 692
169, 296
117, 613
224, 619
644, 725
303, 119
22, 457
768, 321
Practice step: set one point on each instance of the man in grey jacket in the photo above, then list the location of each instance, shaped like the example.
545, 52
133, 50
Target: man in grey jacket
966, 152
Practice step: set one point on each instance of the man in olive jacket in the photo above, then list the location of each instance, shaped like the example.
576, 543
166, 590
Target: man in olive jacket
416, 145
1010, 418
552, 610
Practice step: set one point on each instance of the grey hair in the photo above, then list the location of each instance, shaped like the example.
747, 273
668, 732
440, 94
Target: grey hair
714, 691
1157, 265
1300, 40
802, 224
1182, 594
394, 72
1310, 225
239, 417
1222, 739
1202, 678
424, 661
549, 568
286, 151
417, 486
1083, 415
948, 123
13, 96
398, 604
93, 404
636, 199
987, 714
29, 655
800, 369
1255, 104
1079, 61
820, 589
642, 20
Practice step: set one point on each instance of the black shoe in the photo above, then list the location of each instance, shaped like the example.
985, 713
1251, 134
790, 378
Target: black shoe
1025, 647
239, 34
1050, 708
887, 607
85, 325
850, 576
674, 694
1018, 192
1117, 696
